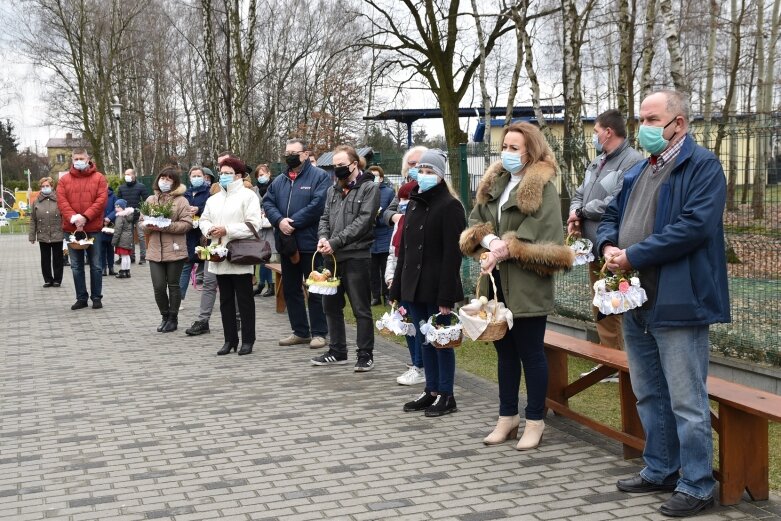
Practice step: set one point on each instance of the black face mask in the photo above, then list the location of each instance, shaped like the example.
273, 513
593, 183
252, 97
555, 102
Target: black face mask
292, 160
342, 172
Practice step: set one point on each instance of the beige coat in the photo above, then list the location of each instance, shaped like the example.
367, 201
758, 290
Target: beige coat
171, 243
45, 220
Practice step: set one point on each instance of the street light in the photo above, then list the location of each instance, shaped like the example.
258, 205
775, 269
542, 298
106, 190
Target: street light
2, 186
116, 108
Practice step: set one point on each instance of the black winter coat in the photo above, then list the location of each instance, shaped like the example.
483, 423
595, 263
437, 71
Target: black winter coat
429, 261
134, 193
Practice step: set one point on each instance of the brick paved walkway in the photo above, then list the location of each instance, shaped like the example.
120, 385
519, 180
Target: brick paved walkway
103, 418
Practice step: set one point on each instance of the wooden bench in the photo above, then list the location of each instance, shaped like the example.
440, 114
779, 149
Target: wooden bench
741, 420
278, 293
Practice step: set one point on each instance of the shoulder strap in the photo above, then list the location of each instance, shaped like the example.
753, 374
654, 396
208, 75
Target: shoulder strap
252, 229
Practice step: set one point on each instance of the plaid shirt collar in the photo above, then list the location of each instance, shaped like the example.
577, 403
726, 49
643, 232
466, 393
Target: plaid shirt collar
668, 155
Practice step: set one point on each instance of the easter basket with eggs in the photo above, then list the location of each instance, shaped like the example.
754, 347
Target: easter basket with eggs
581, 247
483, 319
618, 292
442, 336
396, 322
322, 282
79, 240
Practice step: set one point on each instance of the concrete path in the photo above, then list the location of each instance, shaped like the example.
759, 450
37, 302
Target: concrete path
101, 417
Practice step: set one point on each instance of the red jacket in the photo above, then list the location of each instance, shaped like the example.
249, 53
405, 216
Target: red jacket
82, 192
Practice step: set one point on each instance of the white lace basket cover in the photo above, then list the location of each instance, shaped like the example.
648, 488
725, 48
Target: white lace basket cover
617, 302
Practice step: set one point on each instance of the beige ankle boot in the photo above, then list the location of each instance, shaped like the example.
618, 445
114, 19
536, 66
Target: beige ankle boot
532, 435
506, 429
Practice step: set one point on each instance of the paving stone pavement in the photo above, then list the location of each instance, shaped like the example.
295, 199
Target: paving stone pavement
101, 417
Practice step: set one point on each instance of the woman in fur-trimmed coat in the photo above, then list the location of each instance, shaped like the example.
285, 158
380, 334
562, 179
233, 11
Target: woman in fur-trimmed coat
517, 230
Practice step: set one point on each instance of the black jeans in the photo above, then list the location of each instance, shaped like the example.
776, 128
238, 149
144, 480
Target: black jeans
165, 281
293, 276
379, 288
354, 275
237, 289
51, 254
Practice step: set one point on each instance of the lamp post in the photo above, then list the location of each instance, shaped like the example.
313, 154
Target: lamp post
116, 109
2, 185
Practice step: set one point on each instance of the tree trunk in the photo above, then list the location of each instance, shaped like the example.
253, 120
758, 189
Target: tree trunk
648, 48
626, 70
518, 15
760, 146
483, 88
710, 67
671, 32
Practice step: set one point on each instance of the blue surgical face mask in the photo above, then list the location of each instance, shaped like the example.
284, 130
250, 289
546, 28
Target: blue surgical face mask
427, 181
196, 182
652, 138
512, 162
403, 207
46, 190
80, 164
596, 143
226, 179
412, 173
377, 180
164, 186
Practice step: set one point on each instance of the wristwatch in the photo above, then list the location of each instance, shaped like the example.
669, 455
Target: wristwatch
579, 213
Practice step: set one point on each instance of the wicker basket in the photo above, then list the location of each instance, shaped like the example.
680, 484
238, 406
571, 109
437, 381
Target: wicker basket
328, 287
496, 329
445, 337
382, 325
79, 236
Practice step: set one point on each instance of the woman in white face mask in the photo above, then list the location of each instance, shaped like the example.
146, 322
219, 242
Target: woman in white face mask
517, 218
167, 246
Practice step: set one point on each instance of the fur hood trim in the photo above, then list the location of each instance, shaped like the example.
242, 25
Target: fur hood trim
543, 259
530, 189
469, 242
127, 211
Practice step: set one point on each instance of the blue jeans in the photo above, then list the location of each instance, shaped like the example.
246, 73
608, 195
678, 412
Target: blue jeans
413, 342
266, 276
438, 364
293, 276
94, 258
669, 368
523, 347
184, 279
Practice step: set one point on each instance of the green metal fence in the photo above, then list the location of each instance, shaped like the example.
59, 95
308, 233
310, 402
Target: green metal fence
750, 154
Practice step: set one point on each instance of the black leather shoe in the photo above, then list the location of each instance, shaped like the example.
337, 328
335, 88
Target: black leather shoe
227, 348
245, 349
199, 327
269, 291
636, 484
170, 325
258, 290
162, 324
56, 284
684, 505
48, 284
422, 402
80, 304
97, 304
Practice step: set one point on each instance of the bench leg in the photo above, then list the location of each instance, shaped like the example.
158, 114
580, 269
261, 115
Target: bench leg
558, 374
743, 456
278, 293
630, 420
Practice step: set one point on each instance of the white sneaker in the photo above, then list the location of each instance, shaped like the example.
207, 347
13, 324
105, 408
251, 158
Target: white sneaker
413, 376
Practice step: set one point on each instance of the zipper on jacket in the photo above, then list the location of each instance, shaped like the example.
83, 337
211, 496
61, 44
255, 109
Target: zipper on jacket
290, 196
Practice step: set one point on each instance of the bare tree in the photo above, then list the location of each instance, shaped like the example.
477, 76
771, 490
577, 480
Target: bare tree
671, 31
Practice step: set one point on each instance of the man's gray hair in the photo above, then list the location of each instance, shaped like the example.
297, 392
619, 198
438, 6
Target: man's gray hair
299, 141
677, 103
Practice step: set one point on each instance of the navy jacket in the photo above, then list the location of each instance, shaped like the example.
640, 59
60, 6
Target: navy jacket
383, 232
134, 193
109, 212
687, 243
303, 200
195, 197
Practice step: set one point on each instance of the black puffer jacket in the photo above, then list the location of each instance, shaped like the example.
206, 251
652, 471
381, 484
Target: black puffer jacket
134, 193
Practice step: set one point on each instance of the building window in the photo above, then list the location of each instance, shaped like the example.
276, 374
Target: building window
60, 158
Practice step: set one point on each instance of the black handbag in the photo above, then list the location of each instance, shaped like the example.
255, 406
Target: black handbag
247, 252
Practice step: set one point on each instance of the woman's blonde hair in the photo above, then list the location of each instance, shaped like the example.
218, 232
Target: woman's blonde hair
45, 180
537, 148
